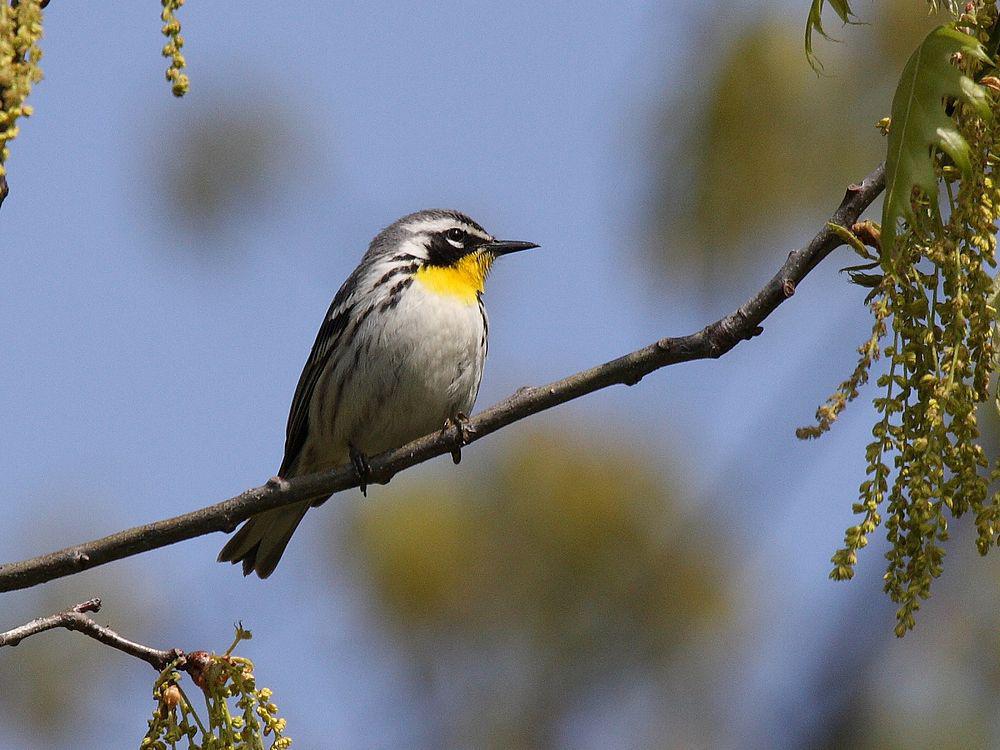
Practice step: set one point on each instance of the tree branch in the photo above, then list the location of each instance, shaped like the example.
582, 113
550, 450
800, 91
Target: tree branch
76, 619
713, 341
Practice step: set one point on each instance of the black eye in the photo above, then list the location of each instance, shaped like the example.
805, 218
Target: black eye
455, 234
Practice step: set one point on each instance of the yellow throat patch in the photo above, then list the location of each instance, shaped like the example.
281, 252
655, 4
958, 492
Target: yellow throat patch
464, 280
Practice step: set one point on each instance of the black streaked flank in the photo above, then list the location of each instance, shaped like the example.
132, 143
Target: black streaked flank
395, 294
485, 340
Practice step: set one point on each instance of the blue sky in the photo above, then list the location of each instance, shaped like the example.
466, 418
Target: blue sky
138, 383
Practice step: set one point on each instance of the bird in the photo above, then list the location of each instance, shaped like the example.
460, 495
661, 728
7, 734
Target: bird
399, 355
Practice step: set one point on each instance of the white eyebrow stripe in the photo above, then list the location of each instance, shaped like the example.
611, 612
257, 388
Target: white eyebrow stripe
432, 226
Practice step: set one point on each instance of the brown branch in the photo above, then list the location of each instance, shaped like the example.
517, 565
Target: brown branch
76, 619
3, 188
711, 342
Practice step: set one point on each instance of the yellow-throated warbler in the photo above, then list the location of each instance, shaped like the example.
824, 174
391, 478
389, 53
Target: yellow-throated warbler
399, 355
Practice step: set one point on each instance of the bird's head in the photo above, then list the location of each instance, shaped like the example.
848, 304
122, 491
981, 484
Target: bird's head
452, 254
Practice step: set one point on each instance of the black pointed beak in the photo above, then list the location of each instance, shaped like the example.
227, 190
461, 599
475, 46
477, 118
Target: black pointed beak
505, 247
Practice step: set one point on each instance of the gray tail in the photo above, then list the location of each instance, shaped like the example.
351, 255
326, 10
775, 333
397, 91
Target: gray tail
260, 542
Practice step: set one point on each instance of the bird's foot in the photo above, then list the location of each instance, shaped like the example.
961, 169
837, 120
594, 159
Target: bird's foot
277, 483
466, 432
360, 462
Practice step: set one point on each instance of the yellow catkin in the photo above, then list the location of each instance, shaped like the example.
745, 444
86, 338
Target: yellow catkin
20, 32
940, 302
171, 29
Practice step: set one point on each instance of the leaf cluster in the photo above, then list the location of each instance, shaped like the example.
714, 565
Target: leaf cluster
934, 291
921, 127
814, 22
227, 682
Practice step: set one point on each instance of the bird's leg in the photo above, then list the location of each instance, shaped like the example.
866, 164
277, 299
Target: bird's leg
361, 466
466, 432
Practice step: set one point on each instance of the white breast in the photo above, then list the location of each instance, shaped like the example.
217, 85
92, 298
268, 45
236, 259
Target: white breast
421, 362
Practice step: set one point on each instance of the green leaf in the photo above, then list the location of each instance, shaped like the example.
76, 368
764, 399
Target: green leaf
921, 125
814, 21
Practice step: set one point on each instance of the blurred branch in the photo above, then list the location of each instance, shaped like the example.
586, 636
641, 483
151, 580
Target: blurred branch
713, 341
3, 188
76, 619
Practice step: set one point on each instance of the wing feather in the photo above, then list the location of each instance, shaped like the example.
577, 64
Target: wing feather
326, 344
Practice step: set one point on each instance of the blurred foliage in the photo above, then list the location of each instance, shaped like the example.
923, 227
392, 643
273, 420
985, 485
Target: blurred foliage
48, 681
239, 158
42, 695
939, 691
762, 142
566, 566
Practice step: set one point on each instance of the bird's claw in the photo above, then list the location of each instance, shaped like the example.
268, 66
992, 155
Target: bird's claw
277, 483
364, 471
466, 431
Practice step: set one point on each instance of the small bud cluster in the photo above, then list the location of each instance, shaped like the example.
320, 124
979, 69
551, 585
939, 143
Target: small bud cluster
847, 391
936, 291
225, 681
20, 32
171, 29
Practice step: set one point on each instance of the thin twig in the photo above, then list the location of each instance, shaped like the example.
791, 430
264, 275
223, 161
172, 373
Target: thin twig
76, 619
3, 188
713, 341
